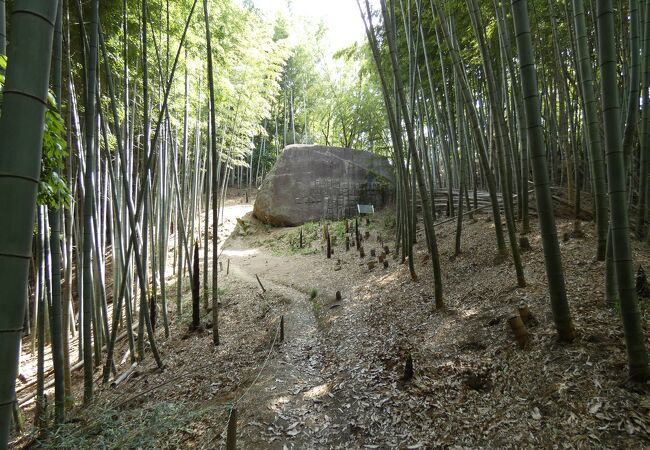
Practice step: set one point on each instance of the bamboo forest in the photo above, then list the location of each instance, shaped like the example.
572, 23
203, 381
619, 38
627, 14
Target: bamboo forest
342, 224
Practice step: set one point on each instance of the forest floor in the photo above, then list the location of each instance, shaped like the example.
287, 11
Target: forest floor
336, 381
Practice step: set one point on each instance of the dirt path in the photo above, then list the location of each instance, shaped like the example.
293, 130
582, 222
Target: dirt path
289, 405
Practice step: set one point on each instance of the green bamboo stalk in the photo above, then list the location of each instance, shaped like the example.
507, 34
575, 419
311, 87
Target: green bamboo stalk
475, 122
622, 253
40, 419
644, 134
21, 134
87, 301
215, 181
419, 172
552, 255
3, 28
55, 245
503, 142
590, 106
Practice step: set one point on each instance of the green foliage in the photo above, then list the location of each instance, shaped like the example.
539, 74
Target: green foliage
337, 231
288, 243
323, 100
155, 425
248, 61
390, 222
313, 293
53, 189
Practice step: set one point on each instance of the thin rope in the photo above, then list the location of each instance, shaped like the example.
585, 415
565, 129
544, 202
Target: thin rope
259, 373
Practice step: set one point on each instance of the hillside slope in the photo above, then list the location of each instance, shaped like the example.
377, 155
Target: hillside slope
337, 379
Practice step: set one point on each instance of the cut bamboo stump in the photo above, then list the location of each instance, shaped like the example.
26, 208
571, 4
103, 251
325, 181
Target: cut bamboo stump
338, 296
519, 330
408, 368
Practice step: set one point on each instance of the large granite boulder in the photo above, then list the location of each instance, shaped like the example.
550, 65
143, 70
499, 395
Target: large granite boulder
312, 182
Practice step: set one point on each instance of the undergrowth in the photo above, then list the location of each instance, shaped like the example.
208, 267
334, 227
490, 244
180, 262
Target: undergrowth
155, 425
313, 239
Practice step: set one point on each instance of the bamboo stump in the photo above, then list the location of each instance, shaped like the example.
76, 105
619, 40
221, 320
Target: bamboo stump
519, 329
408, 369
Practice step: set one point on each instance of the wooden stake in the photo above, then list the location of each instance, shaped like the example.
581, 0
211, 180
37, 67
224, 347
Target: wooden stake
347, 243
338, 296
231, 437
261, 285
281, 328
356, 233
228, 267
301, 237
329, 242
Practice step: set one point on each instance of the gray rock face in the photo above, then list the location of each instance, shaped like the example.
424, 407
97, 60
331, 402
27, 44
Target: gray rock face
311, 182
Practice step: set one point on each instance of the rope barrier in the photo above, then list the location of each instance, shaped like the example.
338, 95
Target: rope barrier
257, 377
